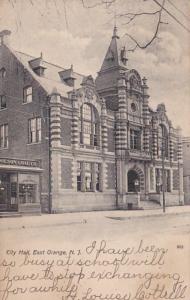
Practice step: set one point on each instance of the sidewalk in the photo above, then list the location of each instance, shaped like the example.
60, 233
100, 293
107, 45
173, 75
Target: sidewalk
85, 217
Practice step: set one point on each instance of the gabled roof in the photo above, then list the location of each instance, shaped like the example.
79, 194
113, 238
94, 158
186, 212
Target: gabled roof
51, 79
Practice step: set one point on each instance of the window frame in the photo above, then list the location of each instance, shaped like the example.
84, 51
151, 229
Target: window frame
3, 97
88, 176
135, 139
27, 97
89, 126
3, 73
4, 136
162, 142
35, 130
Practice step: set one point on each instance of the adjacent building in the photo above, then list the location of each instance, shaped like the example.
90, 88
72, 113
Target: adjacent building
69, 142
186, 169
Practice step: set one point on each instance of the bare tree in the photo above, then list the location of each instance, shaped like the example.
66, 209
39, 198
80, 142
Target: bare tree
130, 17
127, 18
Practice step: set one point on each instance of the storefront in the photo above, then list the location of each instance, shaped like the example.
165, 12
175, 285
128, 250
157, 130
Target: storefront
20, 182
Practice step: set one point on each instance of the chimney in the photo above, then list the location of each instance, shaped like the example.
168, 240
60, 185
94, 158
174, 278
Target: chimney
4, 37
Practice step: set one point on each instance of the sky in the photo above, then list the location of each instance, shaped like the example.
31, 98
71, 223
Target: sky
69, 33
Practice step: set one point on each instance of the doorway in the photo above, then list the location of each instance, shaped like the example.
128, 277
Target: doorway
8, 192
133, 181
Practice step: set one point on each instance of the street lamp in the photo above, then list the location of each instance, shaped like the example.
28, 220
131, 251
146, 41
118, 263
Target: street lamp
158, 184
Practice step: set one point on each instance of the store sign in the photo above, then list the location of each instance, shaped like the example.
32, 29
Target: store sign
19, 162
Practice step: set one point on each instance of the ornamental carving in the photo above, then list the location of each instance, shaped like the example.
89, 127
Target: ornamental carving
89, 93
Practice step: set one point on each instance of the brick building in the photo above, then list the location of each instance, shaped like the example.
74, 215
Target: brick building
72, 143
186, 169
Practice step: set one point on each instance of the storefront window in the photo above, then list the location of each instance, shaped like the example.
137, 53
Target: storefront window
27, 193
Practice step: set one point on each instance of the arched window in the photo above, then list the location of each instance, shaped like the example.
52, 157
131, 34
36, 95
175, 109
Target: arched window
162, 141
89, 125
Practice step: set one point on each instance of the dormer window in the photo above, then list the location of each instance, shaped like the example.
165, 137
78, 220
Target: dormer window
3, 102
27, 94
37, 65
68, 76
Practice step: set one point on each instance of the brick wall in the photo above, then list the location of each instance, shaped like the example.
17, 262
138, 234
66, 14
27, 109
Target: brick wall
175, 179
17, 114
110, 176
66, 131
66, 173
111, 140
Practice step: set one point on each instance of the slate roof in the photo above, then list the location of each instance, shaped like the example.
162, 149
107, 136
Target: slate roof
51, 79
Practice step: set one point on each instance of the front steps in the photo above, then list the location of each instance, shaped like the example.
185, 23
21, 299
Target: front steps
9, 214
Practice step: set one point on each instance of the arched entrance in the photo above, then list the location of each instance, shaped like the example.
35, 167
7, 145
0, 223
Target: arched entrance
133, 181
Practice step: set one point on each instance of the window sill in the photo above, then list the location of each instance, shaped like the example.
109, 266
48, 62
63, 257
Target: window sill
35, 143
24, 103
89, 147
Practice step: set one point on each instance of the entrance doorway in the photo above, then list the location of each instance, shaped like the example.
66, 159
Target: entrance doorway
8, 192
133, 181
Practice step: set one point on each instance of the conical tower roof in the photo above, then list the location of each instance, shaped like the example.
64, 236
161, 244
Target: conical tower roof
114, 62
116, 54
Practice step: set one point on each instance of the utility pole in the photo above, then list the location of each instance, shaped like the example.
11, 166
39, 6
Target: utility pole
163, 171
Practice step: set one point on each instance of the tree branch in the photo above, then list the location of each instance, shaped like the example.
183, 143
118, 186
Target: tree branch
155, 35
132, 16
108, 3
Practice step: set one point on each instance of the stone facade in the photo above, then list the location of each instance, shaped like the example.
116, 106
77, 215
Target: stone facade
99, 144
186, 169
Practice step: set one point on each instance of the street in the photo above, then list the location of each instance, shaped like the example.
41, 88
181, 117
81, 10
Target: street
142, 244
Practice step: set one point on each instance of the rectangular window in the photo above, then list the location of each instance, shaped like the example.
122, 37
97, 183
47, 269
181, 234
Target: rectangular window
88, 176
4, 136
159, 180
3, 102
27, 94
79, 176
97, 176
135, 139
35, 132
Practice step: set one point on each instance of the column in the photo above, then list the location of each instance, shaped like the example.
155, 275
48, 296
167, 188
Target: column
55, 141
104, 127
121, 141
75, 122
171, 144
180, 166
155, 139
146, 116
121, 122
55, 120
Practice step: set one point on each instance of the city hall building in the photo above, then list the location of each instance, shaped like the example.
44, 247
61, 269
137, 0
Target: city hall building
69, 142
